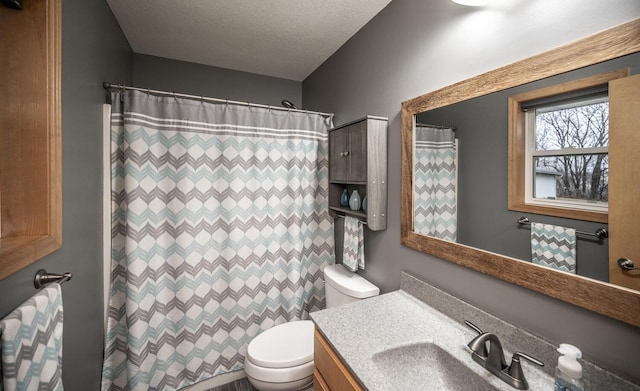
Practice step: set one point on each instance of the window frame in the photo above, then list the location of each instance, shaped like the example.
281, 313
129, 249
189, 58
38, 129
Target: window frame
532, 153
518, 176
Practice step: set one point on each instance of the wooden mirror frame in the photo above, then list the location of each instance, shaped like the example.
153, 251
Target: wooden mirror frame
606, 299
30, 122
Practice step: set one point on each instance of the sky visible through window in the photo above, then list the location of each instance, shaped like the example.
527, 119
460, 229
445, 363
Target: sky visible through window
580, 175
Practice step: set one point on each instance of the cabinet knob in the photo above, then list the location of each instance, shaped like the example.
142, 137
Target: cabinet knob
345, 153
626, 264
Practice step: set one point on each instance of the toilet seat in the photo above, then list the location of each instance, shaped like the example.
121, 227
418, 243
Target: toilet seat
278, 375
283, 346
284, 353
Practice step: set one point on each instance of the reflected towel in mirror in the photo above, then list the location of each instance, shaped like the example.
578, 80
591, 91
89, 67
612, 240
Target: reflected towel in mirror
553, 246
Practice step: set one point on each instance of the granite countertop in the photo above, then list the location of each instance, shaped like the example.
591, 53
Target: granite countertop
357, 331
420, 314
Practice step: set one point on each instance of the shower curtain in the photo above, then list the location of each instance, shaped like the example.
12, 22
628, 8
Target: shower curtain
435, 183
220, 230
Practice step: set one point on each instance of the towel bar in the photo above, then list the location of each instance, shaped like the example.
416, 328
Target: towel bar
344, 217
43, 278
600, 233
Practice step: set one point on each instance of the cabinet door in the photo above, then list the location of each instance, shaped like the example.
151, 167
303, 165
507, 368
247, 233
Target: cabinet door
358, 152
338, 161
624, 179
318, 382
348, 153
331, 370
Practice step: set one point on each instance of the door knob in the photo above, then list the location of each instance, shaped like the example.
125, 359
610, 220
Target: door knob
626, 264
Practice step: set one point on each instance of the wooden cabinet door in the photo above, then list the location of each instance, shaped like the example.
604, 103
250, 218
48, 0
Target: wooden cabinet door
624, 179
333, 374
318, 382
30, 123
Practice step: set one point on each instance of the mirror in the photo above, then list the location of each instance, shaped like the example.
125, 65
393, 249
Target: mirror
499, 257
458, 197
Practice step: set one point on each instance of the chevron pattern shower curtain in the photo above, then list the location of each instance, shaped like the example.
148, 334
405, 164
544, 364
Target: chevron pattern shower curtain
220, 228
435, 183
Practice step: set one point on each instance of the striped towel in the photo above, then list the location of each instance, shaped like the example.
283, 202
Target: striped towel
31, 343
353, 247
553, 246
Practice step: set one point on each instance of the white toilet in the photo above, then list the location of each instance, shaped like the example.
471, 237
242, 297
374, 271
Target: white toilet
281, 358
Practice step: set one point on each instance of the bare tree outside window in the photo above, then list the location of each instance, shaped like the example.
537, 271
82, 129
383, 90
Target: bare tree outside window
581, 175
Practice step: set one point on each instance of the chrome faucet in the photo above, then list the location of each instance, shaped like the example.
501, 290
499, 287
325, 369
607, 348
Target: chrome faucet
493, 360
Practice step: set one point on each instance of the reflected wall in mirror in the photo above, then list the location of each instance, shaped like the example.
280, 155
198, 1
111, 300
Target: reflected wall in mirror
488, 237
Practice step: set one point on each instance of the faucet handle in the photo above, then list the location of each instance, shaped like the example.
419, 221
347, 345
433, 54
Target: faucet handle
515, 369
474, 327
534, 360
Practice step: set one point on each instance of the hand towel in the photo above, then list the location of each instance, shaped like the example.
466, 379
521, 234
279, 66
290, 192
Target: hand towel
353, 247
553, 246
31, 343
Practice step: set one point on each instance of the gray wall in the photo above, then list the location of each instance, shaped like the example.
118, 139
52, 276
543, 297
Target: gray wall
93, 50
196, 79
405, 52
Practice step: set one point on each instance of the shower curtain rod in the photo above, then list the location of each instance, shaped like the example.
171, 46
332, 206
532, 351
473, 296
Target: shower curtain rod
436, 126
108, 86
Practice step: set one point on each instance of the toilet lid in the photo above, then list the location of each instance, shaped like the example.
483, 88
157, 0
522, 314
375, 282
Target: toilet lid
283, 346
349, 283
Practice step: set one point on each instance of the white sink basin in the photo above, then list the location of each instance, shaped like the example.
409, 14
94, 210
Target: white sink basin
425, 365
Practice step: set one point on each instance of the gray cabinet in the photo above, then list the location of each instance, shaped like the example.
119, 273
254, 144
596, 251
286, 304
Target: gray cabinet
358, 161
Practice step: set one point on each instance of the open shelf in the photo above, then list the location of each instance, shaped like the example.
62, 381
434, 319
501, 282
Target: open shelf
348, 211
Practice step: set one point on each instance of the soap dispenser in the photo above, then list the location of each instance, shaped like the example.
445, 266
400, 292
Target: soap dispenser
569, 370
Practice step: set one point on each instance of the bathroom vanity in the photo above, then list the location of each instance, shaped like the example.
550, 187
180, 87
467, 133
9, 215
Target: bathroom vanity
415, 338
330, 372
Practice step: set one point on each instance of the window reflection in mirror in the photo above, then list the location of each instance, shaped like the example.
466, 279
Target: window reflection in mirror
571, 143
560, 140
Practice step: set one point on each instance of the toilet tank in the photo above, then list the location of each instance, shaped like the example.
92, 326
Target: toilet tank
343, 286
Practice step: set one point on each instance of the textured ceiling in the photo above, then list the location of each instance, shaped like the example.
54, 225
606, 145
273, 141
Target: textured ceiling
280, 38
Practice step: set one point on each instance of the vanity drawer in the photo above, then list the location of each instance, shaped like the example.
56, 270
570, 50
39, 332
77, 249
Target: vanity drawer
330, 372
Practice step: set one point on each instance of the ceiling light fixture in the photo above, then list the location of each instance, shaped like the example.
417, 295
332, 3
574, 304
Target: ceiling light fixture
472, 3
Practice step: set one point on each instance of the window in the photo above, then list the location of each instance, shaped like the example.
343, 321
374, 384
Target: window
558, 149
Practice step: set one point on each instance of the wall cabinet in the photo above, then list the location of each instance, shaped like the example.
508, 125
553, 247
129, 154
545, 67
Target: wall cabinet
30, 121
330, 373
358, 161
